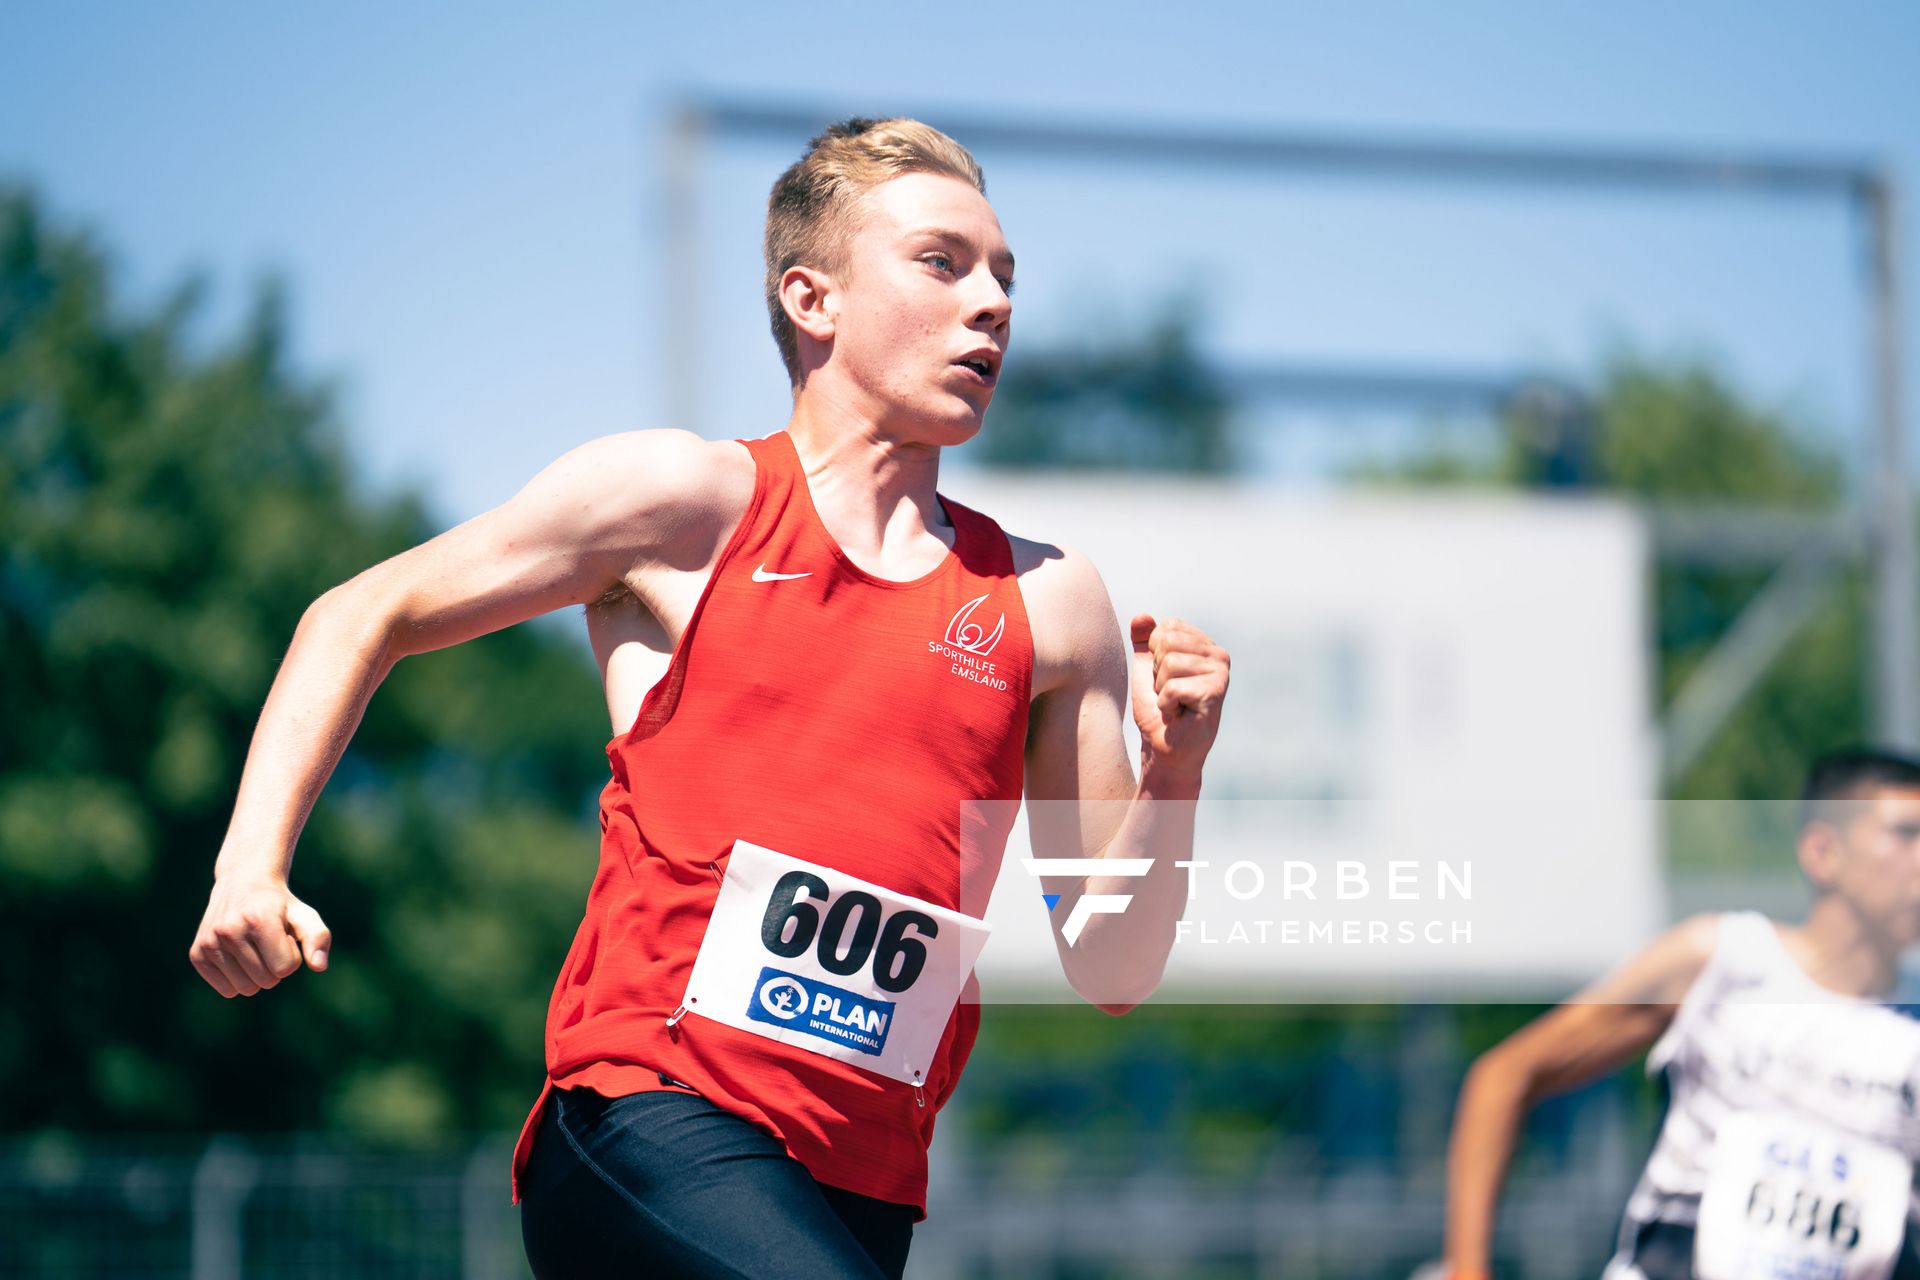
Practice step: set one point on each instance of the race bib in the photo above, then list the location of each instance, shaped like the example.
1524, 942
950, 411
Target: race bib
833, 964
1791, 1199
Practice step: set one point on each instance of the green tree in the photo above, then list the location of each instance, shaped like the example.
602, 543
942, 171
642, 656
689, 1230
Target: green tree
1679, 433
168, 508
1143, 401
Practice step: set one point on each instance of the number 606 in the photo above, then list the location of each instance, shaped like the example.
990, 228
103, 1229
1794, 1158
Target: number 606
793, 922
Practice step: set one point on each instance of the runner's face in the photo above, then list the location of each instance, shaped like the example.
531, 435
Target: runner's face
1880, 870
925, 312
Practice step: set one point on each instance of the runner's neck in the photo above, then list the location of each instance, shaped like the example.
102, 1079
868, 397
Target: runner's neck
875, 495
1839, 951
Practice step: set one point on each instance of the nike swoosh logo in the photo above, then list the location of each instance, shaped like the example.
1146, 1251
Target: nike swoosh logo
761, 575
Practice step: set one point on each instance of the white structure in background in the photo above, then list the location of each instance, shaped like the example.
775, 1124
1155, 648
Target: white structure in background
1417, 680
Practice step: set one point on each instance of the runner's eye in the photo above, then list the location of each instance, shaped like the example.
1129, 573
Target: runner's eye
939, 262
1006, 284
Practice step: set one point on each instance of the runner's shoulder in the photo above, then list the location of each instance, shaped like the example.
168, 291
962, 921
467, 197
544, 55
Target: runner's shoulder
1056, 576
1692, 941
1068, 608
1659, 974
1670, 963
653, 476
667, 466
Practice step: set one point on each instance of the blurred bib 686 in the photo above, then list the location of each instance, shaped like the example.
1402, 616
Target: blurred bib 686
1788, 1197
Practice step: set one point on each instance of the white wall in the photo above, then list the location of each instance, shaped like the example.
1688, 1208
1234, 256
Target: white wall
1415, 678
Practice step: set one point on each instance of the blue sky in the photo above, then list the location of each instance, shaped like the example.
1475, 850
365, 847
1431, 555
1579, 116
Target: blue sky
464, 202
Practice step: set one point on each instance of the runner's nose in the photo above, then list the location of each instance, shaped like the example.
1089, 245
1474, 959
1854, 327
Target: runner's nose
996, 307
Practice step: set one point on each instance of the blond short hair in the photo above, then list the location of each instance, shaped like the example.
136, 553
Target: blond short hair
810, 214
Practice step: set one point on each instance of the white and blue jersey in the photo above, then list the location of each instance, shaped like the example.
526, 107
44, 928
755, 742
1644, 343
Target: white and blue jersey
1791, 1134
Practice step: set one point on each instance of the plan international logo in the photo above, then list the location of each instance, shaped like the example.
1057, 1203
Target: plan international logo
819, 1008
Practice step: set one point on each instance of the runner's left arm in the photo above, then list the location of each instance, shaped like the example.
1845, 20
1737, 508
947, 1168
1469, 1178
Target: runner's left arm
1082, 797
1597, 1031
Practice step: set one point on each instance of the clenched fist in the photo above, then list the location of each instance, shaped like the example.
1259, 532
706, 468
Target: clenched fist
1179, 685
253, 934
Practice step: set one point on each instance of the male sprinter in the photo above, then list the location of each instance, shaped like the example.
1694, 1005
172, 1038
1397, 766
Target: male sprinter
1793, 1118
762, 1010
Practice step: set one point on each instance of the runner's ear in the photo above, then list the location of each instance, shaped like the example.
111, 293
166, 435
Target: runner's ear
1820, 850
810, 298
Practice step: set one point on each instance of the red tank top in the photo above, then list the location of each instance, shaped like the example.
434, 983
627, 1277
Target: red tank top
818, 711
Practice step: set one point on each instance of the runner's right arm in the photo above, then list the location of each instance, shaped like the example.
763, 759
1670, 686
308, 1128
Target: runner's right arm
1597, 1031
600, 513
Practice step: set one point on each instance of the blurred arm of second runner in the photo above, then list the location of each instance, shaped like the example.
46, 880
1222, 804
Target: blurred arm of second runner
1599, 1030
1076, 752
596, 515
